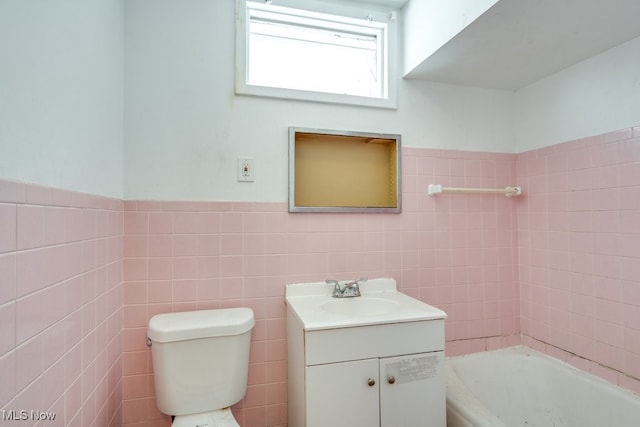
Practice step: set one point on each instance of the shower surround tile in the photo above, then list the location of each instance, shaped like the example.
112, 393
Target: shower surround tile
579, 252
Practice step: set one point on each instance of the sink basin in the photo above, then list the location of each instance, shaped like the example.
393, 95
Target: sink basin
360, 306
380, 303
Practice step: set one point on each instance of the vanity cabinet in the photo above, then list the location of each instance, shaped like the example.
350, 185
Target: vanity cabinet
387, 375
405, 391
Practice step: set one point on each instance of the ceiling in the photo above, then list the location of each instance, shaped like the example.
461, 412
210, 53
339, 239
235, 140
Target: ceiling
517, 42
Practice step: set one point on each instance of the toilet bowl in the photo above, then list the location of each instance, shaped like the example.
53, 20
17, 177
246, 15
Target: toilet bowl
201, 363
218, 418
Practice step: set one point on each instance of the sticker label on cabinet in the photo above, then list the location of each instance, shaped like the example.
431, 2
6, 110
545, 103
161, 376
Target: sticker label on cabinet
413, 369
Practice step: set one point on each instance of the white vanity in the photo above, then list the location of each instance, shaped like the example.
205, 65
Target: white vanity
372, 360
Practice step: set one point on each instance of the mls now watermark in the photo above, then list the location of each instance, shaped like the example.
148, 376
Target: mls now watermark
27, 415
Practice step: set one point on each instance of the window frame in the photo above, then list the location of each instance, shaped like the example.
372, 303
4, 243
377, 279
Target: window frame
348, 14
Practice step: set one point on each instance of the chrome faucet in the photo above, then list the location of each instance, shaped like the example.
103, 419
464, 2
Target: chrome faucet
346, 289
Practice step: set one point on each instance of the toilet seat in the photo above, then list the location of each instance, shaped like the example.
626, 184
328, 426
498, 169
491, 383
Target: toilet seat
219, 418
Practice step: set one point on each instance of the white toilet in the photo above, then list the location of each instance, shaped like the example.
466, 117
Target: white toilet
201, 363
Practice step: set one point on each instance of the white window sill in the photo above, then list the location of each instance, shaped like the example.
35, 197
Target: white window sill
302, 95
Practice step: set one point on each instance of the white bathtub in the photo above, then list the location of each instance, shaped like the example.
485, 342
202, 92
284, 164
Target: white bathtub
521, 387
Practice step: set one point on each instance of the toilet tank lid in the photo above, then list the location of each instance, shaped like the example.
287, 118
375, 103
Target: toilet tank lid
169, 327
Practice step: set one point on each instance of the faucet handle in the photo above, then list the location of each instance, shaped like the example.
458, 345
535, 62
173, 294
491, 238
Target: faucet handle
337, 290
335, 283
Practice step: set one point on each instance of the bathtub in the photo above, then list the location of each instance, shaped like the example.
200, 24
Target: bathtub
521, 387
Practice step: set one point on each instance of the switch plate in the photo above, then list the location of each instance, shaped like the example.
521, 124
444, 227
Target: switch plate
245, 169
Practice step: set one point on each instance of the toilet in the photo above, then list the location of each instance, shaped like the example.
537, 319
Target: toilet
201, 363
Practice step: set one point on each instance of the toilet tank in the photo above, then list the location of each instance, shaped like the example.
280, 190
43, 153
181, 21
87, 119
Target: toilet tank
200, 359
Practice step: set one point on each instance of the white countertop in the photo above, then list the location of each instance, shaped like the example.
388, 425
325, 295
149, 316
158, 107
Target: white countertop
306, 301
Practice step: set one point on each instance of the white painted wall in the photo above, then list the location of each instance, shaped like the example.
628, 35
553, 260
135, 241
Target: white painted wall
184, 127
61, 93
429, 24
61, 104
598, 95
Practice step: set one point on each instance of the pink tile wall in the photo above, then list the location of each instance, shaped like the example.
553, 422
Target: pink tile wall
559, 264
579, 247
61, 276
456, 252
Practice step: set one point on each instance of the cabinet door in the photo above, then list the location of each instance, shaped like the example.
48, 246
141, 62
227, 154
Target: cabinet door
412, 391
343, 394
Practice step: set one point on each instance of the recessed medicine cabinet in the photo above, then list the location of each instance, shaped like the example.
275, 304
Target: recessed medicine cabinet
340, 171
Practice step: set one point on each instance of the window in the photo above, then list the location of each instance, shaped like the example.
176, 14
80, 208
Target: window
314, 55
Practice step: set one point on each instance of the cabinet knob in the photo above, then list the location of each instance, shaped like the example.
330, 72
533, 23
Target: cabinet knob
391, 379
371, 382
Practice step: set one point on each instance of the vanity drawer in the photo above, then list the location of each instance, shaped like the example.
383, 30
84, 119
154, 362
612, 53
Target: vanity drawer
361, 342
